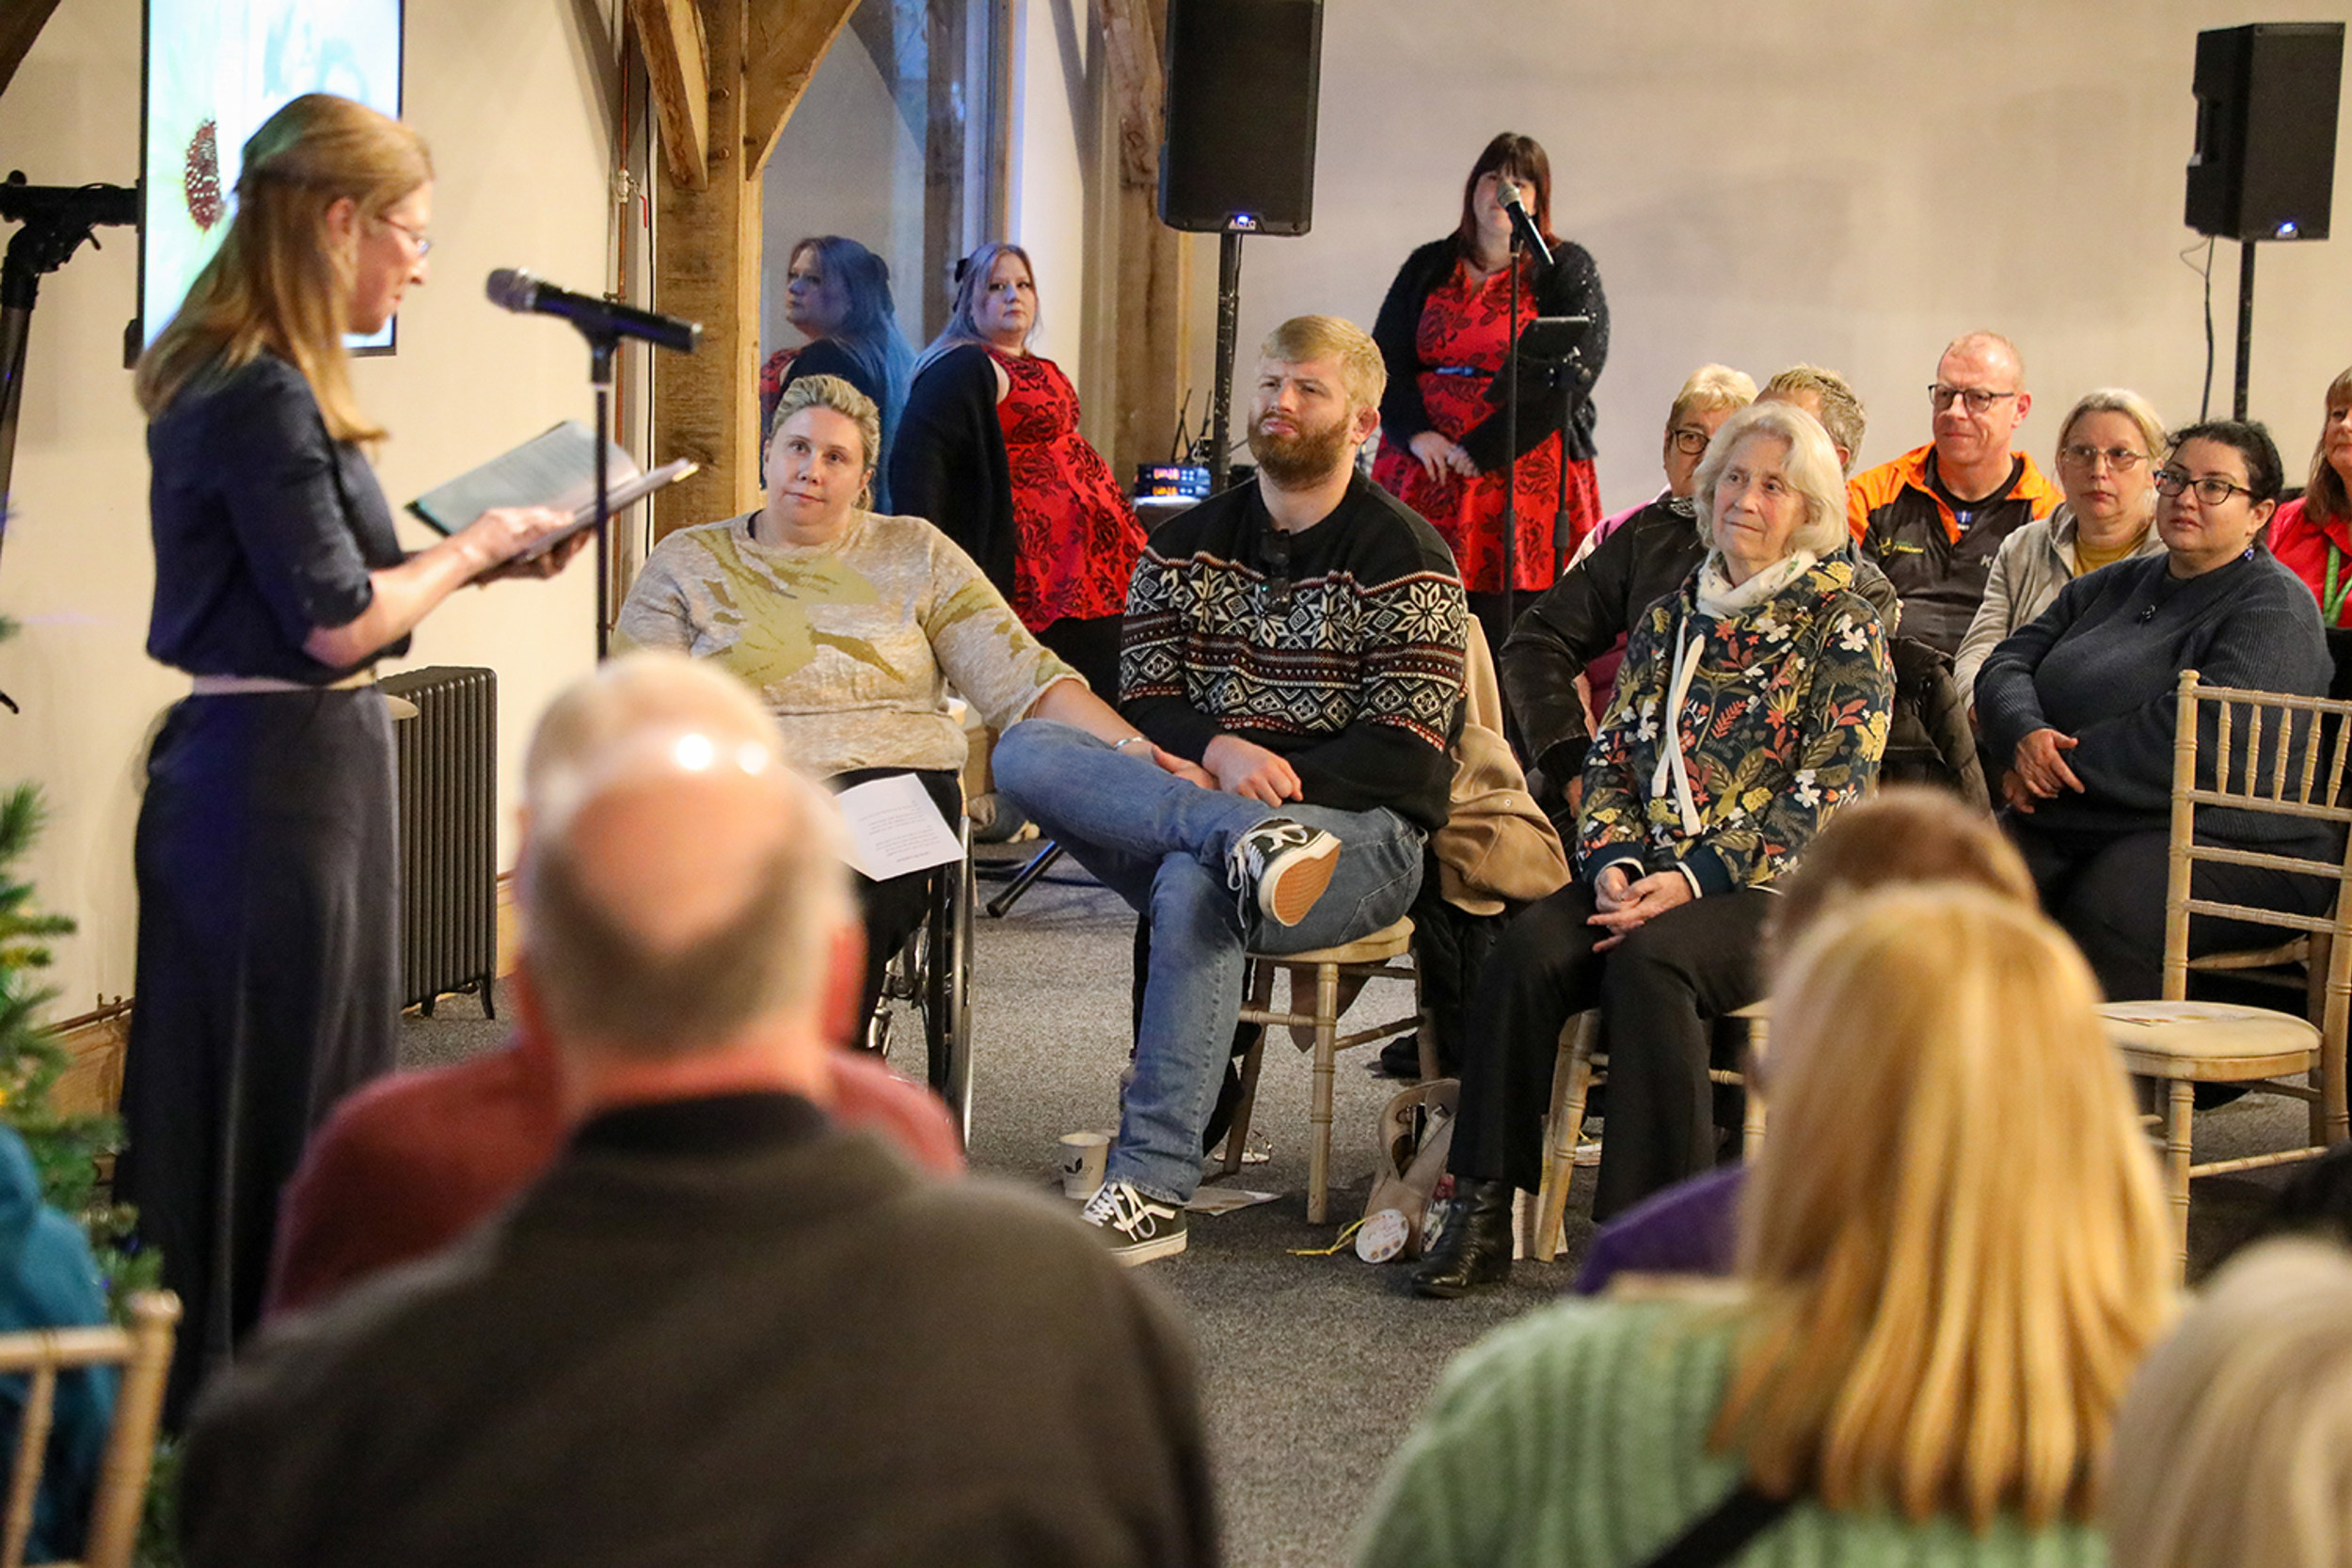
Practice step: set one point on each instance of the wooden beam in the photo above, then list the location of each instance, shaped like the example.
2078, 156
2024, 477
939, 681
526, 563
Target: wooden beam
1154, 291
1133, 46
20, 22
707, 404
787, 39
677, 66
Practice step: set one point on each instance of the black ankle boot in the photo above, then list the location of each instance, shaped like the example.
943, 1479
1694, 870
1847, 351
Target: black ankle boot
1475, 1249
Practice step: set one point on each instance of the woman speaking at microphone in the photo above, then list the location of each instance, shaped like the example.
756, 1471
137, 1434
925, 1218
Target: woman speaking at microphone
267, 982
1444, 331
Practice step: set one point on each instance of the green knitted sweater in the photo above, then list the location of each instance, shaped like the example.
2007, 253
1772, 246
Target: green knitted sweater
1578, 1436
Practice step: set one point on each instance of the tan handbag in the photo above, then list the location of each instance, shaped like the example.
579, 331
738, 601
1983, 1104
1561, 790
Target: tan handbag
1416, 1135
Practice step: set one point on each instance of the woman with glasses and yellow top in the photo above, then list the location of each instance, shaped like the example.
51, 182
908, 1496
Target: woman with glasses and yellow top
2109, 447
2079, 706
2312, 535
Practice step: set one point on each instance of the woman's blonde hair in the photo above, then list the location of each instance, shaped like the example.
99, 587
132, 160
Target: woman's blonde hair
832, 392
1954, 1239
2117, 400
2236, 1443
277, 282
1709, 388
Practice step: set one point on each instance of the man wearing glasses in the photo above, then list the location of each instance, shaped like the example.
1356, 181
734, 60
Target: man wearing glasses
1935, 517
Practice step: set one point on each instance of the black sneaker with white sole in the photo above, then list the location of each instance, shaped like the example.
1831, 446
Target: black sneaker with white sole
1283, 866
1138, 1228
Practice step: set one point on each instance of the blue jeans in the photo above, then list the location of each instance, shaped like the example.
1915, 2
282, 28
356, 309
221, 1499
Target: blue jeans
1161, 844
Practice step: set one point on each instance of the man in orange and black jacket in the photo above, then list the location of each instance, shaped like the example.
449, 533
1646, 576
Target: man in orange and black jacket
1935, 517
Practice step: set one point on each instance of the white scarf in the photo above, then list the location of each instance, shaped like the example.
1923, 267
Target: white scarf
1718, 598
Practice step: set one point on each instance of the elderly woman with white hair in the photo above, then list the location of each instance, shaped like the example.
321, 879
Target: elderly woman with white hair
1752, 705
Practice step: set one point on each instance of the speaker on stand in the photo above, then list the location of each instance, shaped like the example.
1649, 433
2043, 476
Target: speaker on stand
2264, 167
1239, 153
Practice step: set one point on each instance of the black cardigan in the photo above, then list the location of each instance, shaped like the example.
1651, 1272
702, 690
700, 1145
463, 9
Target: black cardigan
947, 462
1570, 288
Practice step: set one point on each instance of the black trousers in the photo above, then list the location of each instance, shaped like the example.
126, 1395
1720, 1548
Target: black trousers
893, 907
1659, 993
2106, 891
267, 982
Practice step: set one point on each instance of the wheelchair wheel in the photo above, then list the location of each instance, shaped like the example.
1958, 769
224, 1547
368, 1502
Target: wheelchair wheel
945, 989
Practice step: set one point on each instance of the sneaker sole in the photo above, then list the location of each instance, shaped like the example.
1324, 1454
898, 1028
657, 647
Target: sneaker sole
1144, 1252
1286, 898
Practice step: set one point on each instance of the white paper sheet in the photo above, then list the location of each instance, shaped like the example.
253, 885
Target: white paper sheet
1224, 1200
895, 828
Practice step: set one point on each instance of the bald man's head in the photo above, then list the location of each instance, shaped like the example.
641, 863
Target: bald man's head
682, 880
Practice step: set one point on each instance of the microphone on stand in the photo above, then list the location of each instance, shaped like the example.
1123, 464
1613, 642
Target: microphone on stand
524, 294
1508, 195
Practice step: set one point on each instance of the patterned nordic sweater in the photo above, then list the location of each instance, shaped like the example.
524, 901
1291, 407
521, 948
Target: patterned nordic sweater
1338, 647
1784, 721
1579, 1435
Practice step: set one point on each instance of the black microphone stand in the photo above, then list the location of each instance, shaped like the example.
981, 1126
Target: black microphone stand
1511, 444
57, 220
1525, 237
600, 347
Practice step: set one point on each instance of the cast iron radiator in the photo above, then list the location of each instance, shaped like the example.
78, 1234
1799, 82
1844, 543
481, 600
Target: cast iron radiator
447, 763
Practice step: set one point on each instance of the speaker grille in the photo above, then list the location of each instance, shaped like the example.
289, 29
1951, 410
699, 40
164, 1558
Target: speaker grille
1243, 81
2264, 166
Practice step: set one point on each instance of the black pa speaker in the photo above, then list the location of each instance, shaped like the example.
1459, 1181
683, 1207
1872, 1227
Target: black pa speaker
2264, 166
1243, 79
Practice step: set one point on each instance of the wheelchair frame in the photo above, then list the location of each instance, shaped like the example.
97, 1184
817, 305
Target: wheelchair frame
939, 990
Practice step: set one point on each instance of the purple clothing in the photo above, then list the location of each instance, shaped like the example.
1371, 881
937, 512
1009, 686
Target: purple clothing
1689, 1228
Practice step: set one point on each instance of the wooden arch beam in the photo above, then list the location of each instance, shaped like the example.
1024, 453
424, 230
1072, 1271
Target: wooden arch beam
678, 67
788, 40
20, 22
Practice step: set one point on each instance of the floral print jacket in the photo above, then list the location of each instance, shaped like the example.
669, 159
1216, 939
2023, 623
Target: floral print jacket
1782, 723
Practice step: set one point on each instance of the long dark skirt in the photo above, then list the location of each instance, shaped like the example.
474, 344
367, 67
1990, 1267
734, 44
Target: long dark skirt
267, 986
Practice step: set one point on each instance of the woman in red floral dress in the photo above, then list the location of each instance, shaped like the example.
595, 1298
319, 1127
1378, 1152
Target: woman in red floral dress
989, 452
1444, 331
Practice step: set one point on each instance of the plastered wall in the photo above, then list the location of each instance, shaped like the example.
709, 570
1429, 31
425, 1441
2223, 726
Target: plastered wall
1848, 183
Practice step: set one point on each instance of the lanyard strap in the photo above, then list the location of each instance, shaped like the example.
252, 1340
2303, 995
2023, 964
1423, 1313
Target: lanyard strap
2331, 598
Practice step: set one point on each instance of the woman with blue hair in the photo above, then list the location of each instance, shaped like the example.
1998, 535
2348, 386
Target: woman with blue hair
837, 294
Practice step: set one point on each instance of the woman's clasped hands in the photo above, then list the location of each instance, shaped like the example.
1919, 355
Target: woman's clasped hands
1626, 901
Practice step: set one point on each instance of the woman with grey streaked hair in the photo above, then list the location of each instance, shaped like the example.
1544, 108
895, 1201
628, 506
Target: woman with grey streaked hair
1753, 704
990, 455
2109, 447
2234, 1443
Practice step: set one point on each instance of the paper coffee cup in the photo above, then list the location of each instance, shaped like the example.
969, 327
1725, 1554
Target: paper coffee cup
1082, 1159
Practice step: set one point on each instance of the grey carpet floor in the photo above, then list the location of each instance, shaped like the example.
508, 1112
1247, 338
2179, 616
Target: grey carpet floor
1312, 1368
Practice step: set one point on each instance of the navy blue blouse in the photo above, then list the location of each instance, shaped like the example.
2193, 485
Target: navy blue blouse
265, 528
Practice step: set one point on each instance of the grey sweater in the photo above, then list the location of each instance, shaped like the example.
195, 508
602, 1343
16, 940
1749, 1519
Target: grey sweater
2103, 663
2033, 565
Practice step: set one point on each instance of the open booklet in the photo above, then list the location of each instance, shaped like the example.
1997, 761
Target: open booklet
895, 828
557, 469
